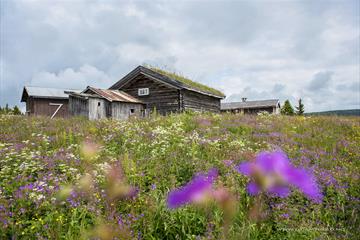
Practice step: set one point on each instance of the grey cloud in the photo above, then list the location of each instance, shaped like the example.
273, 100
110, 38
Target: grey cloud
320, 81
278, 88
354, 86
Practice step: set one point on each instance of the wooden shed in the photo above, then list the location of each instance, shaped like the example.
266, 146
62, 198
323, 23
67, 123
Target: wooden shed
252, 107
168, 92
95, 103
52, 102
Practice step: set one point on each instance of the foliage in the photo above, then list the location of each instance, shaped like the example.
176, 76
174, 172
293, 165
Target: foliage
16, 111
10, 111
300, 108
55, 186
287, 109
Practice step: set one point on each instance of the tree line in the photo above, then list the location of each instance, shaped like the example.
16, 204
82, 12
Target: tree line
10, 111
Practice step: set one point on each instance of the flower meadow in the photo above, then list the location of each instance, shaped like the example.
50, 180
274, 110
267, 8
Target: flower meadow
182, 176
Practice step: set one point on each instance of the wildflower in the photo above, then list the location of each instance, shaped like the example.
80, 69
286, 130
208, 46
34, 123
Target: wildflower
228, 162
195, 191
272, 172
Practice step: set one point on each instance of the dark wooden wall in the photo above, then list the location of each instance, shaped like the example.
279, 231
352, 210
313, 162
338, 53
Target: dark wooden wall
257, 110
252, 110
42, 107
199, 102
162, 97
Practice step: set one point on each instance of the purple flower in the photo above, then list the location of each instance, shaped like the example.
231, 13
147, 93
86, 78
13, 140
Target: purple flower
272, 172
228, 163
194, 191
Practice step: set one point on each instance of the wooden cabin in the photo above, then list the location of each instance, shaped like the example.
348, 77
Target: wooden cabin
252, 107
168, 92
95, 103
52, 102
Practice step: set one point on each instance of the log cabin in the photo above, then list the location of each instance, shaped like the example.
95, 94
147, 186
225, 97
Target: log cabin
168, 92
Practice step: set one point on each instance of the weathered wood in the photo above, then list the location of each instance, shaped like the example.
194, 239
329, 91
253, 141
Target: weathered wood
122, 110
96, 108
161, 97
78, 106
252, 110
198, 102
47, 107
166, 99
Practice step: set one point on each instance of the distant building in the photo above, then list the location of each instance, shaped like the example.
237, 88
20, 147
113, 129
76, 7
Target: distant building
52, 102
252, 107
95, 103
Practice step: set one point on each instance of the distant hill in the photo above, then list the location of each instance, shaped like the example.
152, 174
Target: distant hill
348, 112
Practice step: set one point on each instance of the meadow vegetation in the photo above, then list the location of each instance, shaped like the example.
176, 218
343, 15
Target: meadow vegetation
80, 179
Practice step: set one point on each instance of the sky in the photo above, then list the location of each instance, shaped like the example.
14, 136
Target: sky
253, 49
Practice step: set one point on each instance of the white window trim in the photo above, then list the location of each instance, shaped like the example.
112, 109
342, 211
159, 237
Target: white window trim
143, 91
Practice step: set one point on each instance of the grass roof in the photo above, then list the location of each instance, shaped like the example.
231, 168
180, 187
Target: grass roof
188, 82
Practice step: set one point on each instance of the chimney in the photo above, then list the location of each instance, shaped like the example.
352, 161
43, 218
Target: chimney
244, 99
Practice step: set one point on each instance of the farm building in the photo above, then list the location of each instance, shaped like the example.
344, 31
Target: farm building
95, 103
52, 102
252, 107
138, 93
168, 92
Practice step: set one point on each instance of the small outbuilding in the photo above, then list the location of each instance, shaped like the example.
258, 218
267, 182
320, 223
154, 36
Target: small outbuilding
252, 107
52, 102
95, 103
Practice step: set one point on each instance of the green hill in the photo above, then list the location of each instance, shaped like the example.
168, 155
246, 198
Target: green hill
349, 112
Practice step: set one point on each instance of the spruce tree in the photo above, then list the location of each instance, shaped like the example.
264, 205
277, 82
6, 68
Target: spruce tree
287, 109
300, 108
16, 111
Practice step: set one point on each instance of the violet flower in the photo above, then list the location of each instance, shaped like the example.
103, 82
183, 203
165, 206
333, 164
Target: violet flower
194, 191
272, 172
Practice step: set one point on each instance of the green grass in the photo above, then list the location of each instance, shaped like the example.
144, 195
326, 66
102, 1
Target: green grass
188, 82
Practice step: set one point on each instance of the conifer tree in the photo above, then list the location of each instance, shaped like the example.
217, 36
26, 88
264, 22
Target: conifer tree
287, 109
300, 108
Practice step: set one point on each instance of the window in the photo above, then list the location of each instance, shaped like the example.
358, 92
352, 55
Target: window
132, 111
98, 104
143, 91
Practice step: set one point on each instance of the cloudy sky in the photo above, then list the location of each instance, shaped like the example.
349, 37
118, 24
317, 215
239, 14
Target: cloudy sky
253, 49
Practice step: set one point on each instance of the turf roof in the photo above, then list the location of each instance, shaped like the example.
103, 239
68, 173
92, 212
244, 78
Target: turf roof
188, 82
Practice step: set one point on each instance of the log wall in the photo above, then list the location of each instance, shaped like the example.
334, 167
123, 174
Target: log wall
162, 97
199, 102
